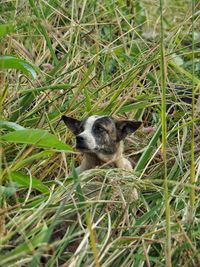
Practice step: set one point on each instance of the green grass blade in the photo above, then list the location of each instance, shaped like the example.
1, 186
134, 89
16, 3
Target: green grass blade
192, 166
164, 139
88, 219
28, 246
43, 31
148, 151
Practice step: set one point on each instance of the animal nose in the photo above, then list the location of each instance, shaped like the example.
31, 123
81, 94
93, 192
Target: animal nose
79, 139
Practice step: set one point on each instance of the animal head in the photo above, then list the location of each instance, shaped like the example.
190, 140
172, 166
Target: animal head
100, 134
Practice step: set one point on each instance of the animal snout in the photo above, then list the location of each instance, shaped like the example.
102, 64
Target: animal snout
80, 142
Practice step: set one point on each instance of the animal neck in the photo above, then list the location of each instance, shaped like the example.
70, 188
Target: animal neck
117, 159
105, 158
91, 160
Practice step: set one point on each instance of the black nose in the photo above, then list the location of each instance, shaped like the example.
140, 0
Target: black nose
79, 139
80, 142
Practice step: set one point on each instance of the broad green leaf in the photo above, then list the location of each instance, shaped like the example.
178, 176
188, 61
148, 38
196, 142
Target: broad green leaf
36, 137
10, 125
24, 180
6, 28
11, 62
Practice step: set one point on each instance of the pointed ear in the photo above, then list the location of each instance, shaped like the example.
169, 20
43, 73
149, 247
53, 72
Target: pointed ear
72, 124
125, 128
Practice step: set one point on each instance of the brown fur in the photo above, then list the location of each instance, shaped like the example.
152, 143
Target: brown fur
91, 160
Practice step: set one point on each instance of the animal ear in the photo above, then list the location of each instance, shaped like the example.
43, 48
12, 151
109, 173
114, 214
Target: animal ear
125, 128
72, 124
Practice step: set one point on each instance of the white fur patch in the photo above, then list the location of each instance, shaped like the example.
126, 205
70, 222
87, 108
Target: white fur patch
87, 133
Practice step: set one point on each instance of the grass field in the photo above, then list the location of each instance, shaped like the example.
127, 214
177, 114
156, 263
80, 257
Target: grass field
129, 59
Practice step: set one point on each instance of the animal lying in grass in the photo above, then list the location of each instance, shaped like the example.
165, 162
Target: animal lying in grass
99, 138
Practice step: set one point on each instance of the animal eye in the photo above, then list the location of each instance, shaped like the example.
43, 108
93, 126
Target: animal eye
99, 128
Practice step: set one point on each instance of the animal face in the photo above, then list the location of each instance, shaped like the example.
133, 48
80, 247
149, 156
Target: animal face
100, 134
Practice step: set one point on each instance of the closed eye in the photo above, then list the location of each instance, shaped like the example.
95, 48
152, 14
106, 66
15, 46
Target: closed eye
100, 129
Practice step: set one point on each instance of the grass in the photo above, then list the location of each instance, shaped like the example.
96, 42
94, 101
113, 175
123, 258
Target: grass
192, 174
127, 59
164, 138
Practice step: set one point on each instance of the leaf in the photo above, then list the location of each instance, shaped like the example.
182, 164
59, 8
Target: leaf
24, 104
42, 29
148, 215
140, 11
36, 137
180, 69
8, 191
87, 100
79, 190
24, 180
11, 62
148, 151
137, 105
10, 125
6, 28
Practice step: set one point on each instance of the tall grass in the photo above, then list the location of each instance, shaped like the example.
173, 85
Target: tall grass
164, 137
135, 60
192, 174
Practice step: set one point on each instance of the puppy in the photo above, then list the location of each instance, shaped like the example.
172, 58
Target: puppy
99, 138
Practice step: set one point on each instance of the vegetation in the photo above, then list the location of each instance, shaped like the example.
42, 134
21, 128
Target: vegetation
130, 59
